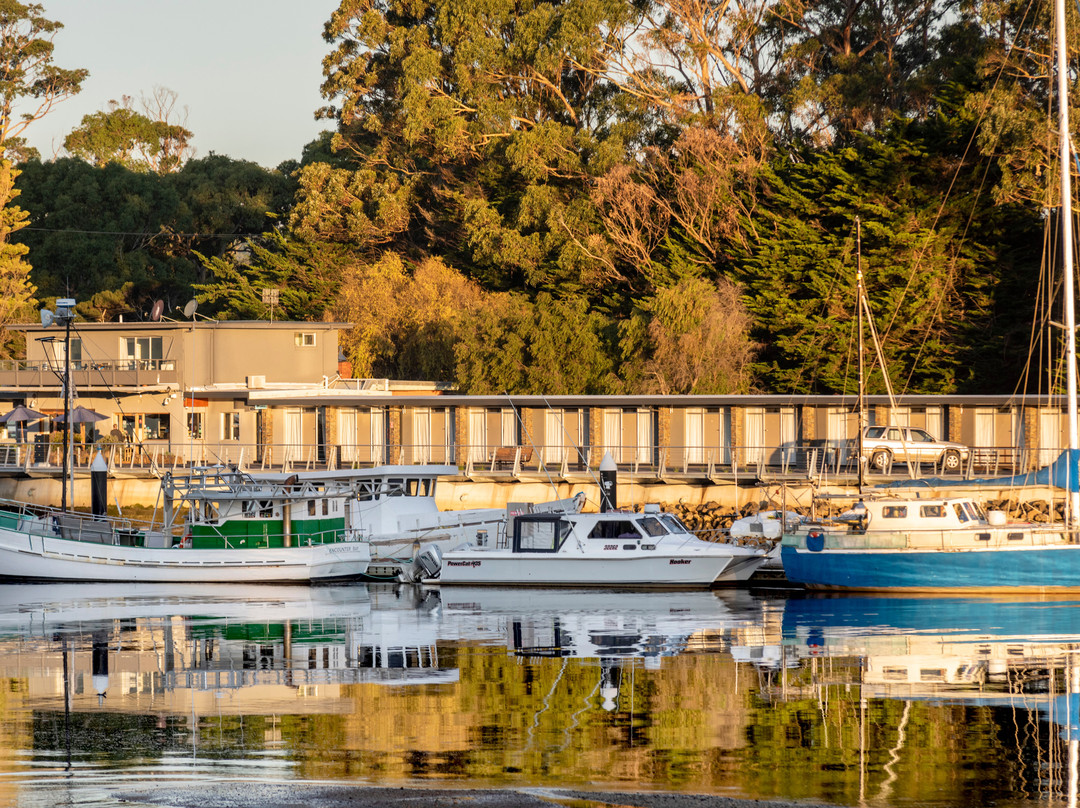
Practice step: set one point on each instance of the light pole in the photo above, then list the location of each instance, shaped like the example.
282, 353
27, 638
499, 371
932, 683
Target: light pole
65, 313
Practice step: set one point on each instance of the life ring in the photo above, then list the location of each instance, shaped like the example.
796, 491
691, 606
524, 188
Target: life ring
185, 543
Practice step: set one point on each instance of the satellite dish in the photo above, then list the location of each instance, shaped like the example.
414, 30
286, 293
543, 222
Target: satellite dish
189, 309
47, 318
155, 313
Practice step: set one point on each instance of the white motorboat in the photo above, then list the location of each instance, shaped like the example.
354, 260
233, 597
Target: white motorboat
615, 548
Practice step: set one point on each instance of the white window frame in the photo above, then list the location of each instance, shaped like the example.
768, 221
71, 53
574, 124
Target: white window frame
230, 426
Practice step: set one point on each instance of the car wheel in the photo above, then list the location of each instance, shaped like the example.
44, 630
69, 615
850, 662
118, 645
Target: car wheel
881, 460
951, 461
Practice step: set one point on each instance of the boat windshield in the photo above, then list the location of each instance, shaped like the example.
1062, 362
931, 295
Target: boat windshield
673, 523
653, 526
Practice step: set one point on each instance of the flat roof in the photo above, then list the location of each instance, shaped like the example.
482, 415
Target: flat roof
186, 325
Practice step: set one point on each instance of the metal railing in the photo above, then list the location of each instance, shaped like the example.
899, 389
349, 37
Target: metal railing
814, 460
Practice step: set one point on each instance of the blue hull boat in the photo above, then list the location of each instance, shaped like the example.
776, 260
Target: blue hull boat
930, 545
1032, 569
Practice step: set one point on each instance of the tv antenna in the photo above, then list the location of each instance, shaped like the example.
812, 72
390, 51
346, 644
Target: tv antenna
270, 298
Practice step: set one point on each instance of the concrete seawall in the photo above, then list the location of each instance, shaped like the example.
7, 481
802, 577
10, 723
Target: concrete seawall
458, 494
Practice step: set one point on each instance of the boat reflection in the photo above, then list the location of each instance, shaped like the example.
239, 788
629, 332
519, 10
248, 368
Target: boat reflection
1000, 659
255, 649
938, 647
646, 626
212, 649
847, 700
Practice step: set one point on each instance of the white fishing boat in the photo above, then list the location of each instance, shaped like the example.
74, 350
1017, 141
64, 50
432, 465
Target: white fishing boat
611, 549
219, 526
391, 508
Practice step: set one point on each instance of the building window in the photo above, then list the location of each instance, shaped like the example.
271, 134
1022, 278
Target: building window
195, 425
141, 353
230, 426
305, 339
76, 352
145, 426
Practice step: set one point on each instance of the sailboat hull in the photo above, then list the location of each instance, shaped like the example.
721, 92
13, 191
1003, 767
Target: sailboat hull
1020, 570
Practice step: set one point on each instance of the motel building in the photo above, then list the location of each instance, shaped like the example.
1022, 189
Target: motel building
274, 396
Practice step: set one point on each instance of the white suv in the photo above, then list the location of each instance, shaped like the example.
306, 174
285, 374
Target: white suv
886, 444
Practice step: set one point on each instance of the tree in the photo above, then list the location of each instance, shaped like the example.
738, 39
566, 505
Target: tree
407, 321
474, 131
30, 84
97, 229
942, 277
134, 139
307, 275
697, 341
552, 346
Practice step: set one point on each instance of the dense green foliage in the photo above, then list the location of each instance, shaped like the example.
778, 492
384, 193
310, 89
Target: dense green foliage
110, 229
603, 196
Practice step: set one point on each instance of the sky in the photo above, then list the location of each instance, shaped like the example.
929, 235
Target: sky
248, 71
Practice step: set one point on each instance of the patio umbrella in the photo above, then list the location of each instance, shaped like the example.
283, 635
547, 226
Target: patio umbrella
81, 415
21, 414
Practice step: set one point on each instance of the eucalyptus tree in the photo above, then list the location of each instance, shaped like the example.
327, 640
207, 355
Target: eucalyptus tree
30, 86
141, 141
474, 127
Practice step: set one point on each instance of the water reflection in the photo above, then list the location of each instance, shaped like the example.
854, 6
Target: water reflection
851, 700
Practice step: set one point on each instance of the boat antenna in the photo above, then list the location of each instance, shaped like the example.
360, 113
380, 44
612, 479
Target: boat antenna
1067, 246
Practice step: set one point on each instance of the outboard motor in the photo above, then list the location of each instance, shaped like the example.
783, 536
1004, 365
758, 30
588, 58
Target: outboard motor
430, 560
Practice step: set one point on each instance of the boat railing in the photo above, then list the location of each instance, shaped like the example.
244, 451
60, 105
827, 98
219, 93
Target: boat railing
306, 539
937, 539
42, 520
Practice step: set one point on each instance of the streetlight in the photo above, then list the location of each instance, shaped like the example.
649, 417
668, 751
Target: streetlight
64, 314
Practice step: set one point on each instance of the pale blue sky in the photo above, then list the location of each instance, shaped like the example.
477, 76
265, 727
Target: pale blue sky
248, 71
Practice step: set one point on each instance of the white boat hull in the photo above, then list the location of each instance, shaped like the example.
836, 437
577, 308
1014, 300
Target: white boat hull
32, 557
629, 568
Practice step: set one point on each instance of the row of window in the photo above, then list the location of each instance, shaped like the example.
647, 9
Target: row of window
146, 352
964, 511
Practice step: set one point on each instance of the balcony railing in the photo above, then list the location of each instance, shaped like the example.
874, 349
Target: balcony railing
688, 463
113, 373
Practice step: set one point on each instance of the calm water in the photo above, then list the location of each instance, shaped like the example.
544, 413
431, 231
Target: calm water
852, 700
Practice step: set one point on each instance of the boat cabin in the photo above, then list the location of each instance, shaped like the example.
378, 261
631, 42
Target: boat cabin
546, 533
916, 514
227, 508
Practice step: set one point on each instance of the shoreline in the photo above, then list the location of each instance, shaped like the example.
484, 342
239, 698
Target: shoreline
241, 794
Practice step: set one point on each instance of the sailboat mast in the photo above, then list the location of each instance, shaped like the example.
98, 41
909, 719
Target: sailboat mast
860, 294
1067, 243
